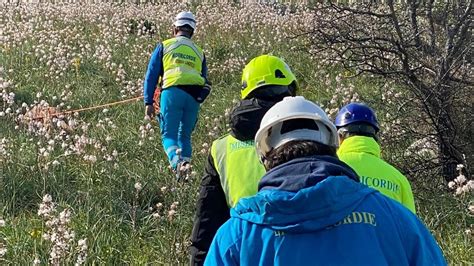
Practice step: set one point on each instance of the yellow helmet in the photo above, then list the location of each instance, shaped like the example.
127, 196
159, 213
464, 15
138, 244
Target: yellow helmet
267, 70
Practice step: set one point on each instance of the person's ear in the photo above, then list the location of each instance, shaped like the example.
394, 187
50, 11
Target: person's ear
263, 161
341, 138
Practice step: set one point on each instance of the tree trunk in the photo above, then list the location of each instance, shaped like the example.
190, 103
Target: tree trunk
450, 155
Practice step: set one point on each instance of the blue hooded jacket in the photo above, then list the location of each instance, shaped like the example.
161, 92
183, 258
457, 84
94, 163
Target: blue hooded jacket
312, 211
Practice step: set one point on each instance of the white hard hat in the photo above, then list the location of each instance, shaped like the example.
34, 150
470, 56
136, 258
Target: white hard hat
185, 18
290, 119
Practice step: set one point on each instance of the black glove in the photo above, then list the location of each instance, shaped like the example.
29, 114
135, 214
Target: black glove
206, 89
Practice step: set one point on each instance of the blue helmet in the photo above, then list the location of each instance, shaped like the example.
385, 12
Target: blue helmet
356, 113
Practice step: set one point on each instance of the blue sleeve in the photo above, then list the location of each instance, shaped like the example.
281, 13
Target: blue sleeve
222, 250
154, 71
204, 69
420, 246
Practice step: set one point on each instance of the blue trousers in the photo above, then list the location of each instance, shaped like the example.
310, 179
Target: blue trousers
178, 116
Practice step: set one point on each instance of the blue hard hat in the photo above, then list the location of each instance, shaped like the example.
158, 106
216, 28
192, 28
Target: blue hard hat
356, 113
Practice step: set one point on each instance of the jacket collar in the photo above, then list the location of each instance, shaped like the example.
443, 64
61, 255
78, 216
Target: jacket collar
305, 172
245, 117
359, 144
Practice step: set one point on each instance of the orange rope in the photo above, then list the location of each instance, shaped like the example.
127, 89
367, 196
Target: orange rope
90, 108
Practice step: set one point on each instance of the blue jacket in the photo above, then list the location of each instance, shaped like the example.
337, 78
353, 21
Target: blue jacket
312, 211
155, 70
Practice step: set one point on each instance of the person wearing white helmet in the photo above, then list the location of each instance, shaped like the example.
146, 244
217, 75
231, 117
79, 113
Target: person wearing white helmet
185, 18
311, 208
178, 67
233, 169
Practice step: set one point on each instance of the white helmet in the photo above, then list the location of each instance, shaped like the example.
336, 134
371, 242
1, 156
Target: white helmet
185, 18
288, 120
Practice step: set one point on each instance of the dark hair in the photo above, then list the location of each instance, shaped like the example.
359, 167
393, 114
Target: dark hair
358, 129
186, 29
296, 149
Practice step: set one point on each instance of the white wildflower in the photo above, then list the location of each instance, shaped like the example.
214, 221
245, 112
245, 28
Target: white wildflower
451, 184
470, 184
171, 214
174, 205
461, 179
138, 186
3, 251
471, 209
47, 198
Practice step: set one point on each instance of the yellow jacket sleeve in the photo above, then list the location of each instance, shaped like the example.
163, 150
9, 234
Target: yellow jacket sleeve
407, 196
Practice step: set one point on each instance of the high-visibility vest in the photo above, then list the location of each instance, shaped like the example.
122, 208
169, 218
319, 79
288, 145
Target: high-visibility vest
363, 155
238, 166
182, 63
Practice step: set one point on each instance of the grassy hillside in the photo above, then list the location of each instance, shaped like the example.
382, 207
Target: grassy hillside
95, 185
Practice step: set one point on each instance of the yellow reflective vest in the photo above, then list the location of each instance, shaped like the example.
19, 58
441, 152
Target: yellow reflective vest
238, 166
182, 62
363, 155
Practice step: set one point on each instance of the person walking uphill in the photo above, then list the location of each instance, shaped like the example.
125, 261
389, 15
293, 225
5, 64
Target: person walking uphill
357, 128
311, 208
233, 168
181, 66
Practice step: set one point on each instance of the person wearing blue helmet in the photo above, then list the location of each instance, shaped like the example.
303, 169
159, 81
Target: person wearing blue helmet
310, 208
357, 127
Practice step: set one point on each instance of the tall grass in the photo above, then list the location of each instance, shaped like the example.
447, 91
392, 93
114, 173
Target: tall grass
106, 166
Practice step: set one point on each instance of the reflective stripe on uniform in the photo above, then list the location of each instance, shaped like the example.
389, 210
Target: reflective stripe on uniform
178, 70
184, 41
182, 63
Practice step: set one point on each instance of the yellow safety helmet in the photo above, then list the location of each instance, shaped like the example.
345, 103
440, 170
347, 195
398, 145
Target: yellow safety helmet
267, 70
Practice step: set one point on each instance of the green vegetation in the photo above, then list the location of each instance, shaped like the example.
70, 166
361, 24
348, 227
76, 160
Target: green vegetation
106, 166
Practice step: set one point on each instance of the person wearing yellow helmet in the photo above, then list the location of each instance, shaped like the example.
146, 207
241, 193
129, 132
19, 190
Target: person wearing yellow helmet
264, 72
233, 169
311, 209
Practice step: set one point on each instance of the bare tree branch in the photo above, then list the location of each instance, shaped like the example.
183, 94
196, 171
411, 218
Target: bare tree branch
429, 13
414, 22
424, 46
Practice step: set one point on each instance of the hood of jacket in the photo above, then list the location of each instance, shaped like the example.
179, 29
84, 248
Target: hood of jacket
246, 116
303, 195
359, 144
